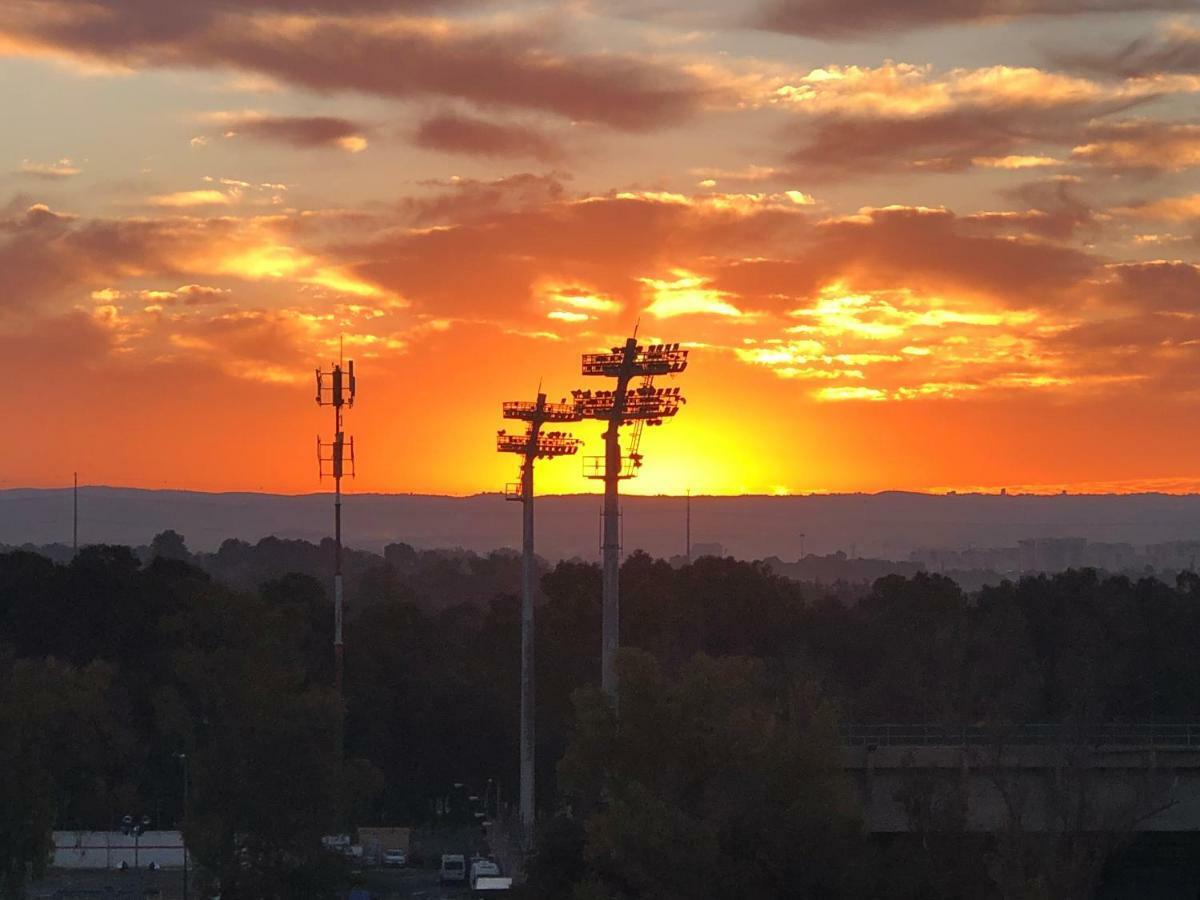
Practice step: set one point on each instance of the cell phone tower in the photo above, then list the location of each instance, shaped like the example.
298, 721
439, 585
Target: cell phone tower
532, 444
336, 388
639, 406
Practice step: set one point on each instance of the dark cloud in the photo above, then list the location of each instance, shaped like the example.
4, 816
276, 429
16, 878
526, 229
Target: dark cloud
110, 24
1148, 330
1158, 348
467, 199
453, 133
1154, 286
901, 245
840, 146
1053, 208
517, 67
46, 257
839, 18
1175, 50
921, 249
300, 131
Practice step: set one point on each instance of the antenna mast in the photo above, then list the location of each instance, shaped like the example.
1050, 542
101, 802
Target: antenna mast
336, 389
644, 405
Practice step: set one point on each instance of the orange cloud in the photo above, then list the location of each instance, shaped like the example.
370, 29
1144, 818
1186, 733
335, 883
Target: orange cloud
183, 199
687, 294
1141, 145
898, 116
63, 168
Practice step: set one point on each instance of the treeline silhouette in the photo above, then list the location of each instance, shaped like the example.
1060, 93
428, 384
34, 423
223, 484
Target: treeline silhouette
112, 665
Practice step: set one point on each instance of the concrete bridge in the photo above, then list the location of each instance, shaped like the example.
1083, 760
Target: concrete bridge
1027, 778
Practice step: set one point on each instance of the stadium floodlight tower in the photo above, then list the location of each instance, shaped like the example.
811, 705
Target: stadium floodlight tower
639, 406
532, 444
336, 388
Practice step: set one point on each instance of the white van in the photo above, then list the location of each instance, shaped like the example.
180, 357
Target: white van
454, 868
483, 868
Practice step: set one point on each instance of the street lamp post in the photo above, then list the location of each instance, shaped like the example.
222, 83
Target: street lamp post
183, 757
130, 827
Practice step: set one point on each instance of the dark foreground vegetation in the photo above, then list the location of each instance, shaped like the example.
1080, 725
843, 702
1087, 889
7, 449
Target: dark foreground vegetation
724, 778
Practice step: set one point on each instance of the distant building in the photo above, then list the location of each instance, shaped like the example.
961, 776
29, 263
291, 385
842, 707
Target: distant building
1173, 556
713, 549
376, 841
1112, 557
1053, 554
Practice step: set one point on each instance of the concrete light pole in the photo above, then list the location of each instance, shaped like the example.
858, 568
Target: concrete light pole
531, 445
640, 406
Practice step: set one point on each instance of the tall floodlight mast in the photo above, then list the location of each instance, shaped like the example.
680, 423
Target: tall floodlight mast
336, 388
640, 406
532, 444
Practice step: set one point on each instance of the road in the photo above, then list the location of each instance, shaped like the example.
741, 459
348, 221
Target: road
402, 884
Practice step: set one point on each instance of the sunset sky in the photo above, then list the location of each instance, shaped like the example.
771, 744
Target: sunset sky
920, 245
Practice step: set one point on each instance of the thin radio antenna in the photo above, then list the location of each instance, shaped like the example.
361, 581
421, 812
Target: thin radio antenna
337, 388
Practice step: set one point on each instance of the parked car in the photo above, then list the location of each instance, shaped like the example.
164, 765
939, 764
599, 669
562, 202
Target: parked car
395, 858
454, 868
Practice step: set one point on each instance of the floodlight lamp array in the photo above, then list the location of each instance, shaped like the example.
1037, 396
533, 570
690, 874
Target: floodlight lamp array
646, 404
657, 359
546, 445
529, 411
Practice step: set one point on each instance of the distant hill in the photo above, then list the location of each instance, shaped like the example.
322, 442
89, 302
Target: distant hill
885, 526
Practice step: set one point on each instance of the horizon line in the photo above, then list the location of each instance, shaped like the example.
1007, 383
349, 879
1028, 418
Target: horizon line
998, 493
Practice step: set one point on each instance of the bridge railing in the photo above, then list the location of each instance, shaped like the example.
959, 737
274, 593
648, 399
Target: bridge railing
1185, 735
